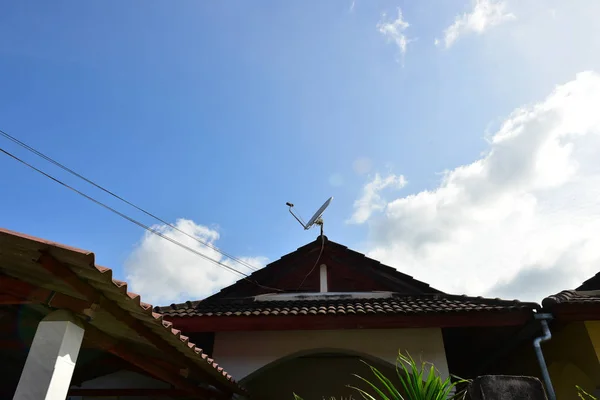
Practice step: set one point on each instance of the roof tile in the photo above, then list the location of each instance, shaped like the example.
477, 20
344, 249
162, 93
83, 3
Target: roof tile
397, 304
573, 297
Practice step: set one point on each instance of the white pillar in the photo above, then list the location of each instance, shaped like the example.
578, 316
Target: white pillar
323, 274
51, 359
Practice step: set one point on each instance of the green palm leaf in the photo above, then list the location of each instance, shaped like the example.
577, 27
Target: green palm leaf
418, 381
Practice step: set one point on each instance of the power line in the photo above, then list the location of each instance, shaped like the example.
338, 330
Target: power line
58, 164
121, 214
140, 224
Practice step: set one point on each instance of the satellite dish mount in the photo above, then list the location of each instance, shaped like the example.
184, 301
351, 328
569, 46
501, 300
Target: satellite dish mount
315, 219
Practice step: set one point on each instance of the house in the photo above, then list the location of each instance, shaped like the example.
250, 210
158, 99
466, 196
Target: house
573, 354
69, 328
303, 323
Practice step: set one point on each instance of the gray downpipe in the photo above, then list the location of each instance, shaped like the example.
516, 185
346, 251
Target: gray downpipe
543, 318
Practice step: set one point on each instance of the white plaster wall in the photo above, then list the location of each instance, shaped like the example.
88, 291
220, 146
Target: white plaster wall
242, 353
122, 380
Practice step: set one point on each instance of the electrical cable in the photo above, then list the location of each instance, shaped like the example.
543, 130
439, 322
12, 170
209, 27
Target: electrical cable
140, 224
65, 168
316, 262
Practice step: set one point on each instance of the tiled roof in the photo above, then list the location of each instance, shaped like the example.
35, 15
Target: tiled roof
18, 259
396, 304
280, 273
573, 297
591, 284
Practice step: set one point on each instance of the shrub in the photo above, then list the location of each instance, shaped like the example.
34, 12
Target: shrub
583, 394
417, 382
414, 383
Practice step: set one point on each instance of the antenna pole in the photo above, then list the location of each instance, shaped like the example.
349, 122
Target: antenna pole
320, 223
297, 219
315, 219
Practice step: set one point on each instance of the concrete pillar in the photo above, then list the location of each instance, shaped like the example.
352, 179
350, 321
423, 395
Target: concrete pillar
323, 276
51, 359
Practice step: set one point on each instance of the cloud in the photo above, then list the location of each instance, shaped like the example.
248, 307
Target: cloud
371, 200
485, 14
163, 272
525, 214
538, 281
394, 31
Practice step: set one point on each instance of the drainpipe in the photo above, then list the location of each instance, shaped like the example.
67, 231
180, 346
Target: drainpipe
543, 318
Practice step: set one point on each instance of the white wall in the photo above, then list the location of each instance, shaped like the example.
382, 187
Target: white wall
315, 377
121, 380
242, 353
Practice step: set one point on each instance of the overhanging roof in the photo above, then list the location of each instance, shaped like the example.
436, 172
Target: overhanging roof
60, 276
346, 304
574, 305
362, 293
346, 311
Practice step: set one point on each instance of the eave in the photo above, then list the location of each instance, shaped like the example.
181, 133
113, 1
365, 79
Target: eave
331, 322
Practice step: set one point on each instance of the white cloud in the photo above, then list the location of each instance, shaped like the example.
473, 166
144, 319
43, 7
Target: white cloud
485, 14
523, 219
371, 199
163, 272
394, 31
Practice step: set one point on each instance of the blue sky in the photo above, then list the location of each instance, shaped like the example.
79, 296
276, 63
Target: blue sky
220, 113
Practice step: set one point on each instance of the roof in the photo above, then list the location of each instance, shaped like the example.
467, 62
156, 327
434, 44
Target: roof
591, 284
349, 271
573, 297
574, 305
21, 258
359, 288
394, 304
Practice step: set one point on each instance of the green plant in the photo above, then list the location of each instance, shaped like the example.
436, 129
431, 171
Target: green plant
296, 397
583, 394
418, 382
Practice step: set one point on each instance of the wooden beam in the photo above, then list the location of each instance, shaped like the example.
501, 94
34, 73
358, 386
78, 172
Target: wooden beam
32, 294
57, 268
147, 364
327, 322
128, 393
49, 298
157, 368
9, 300
61, 271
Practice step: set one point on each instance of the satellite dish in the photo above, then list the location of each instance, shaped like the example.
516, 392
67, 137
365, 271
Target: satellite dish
315, 219
318, 214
